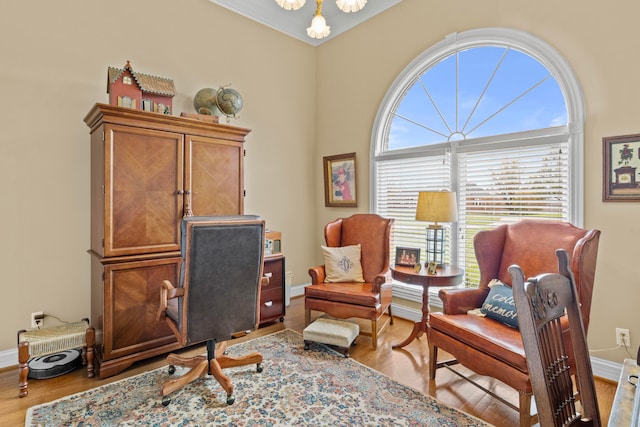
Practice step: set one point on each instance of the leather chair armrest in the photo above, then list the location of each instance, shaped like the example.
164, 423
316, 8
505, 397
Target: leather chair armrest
317, 274
459, 301
383, 278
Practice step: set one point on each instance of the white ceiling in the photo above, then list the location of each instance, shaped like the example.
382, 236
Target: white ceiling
295, 22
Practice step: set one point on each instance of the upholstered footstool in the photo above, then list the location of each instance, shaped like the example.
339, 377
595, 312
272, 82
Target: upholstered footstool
336, 333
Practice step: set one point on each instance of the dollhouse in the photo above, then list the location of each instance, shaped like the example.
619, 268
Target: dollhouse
129, 89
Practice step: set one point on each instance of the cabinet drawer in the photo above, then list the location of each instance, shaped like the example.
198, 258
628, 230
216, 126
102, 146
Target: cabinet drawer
271, 304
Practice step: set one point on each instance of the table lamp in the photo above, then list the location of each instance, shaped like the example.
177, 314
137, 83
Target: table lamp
436, 207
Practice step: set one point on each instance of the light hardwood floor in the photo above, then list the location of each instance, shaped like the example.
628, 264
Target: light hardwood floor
408, 366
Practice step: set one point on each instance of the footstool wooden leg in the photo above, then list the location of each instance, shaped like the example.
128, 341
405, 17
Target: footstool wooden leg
91, 340
23, 368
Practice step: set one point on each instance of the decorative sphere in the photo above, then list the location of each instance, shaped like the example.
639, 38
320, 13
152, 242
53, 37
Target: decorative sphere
205, 102
228, 101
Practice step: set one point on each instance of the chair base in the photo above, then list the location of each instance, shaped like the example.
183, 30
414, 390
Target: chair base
212, 364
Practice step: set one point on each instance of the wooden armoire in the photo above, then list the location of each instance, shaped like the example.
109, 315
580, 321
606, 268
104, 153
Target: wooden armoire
147, 171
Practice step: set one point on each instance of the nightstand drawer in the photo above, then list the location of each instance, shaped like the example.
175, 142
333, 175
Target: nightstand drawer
273, 270
271, 305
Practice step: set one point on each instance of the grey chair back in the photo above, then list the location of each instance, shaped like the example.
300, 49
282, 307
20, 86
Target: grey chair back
221, 273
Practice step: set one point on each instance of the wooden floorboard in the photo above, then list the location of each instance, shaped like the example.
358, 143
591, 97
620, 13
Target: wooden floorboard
407, 365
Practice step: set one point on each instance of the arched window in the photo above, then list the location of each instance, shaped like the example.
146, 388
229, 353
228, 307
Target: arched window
495, 115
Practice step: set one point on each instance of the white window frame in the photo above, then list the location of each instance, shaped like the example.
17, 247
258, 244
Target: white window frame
548, 56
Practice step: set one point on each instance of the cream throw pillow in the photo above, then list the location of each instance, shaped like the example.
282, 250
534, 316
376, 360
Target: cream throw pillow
342, 264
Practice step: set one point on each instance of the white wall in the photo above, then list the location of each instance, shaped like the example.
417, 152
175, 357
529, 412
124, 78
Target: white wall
53, 69
599, 41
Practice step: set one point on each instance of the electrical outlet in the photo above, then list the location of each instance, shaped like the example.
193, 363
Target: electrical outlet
623, 337
37, 319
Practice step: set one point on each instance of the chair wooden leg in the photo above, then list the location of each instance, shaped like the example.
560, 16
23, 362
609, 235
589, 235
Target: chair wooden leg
223, 380
433, 361
374, 334
23, 368
390, 316
225, 361
307, 317
199, 369
525, 409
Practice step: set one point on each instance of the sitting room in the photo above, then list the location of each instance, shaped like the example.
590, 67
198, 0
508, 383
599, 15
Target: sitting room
520, 111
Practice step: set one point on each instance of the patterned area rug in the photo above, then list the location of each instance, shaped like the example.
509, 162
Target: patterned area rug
317, 387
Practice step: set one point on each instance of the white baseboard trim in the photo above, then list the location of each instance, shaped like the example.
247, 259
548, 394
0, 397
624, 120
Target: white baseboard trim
601, 368
606, 369
298, 290
8, 358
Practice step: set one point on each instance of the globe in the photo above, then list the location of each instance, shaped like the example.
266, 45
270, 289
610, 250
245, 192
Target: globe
228, 101
205, 102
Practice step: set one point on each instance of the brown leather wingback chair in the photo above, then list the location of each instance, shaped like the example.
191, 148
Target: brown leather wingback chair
489, 347
368, 300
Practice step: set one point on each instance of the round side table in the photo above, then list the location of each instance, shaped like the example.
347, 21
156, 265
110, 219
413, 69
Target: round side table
446, 275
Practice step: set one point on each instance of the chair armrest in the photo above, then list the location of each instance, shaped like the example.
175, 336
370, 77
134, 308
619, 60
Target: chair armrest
383, 278
459, 301
167, 292
317, 274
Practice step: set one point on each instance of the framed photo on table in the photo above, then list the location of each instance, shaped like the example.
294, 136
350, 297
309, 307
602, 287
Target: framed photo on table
407, 256
340, 181
621, 155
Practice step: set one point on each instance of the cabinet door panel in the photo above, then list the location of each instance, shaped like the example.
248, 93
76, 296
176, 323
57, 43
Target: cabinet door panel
143, 207
213, 175
131, 301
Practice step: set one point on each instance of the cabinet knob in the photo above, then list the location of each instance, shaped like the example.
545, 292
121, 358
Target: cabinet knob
268, 303
181, 192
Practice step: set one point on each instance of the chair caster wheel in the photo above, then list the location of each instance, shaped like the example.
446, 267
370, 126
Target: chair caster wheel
259, 367
306, 346
230, 399
166, 400
172, 369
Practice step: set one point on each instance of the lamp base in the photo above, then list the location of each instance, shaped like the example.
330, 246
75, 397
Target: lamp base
435, 244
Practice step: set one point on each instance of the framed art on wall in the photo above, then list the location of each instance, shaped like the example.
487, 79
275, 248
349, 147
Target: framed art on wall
621, 156
340, 180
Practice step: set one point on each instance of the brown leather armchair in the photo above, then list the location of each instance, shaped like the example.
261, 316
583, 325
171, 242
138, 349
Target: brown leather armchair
489, 347
368, 300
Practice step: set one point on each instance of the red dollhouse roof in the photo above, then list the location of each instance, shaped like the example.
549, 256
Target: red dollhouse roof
147, 83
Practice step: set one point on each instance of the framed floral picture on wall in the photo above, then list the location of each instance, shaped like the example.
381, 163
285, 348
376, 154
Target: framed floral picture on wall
340, 180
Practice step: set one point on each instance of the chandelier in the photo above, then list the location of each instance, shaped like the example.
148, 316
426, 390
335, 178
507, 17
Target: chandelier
319, 28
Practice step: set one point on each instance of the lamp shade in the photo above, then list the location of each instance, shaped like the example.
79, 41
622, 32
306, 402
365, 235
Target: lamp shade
350, 5
437, 206
290, 4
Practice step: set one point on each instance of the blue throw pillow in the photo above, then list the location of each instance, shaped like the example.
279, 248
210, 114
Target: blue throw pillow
499, 304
